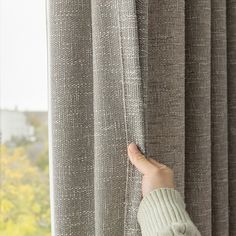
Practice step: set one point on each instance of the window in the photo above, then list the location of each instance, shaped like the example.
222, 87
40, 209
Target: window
24, 193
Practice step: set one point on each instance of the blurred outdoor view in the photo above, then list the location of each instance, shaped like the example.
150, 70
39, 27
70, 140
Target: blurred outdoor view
24, 174
24, 179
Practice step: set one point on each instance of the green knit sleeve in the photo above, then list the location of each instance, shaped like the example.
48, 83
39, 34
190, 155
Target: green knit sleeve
162, 212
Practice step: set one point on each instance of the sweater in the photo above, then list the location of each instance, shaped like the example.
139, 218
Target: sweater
162, 212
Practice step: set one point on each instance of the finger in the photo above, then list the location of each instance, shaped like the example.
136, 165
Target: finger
139, 160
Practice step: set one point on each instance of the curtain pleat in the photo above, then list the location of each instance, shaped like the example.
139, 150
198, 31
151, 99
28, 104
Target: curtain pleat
231, 75
219, 119
158, 73
118, 116
71, 118
198, 112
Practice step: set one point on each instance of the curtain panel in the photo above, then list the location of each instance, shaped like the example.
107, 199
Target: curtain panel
158, 73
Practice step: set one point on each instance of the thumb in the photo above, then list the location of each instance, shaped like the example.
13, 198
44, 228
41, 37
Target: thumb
139, 160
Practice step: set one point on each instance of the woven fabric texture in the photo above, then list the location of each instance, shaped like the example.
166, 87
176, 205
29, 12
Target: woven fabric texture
158, 73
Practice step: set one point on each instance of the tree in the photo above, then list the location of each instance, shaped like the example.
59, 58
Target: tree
24, 194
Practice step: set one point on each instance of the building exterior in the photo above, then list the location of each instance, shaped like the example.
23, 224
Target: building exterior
14, 124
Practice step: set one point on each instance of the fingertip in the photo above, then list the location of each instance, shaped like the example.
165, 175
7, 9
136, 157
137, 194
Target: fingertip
133, 148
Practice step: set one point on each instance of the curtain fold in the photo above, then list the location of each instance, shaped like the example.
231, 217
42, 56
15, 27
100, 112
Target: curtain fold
158, 73
219, 119
231, 82
198, 187
117, 113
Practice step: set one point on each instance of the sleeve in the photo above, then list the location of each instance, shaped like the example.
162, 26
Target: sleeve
162, 212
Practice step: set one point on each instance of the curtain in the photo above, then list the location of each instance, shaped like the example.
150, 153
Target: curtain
158, 73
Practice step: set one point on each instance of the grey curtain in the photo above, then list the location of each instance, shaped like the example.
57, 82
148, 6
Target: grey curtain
158, 73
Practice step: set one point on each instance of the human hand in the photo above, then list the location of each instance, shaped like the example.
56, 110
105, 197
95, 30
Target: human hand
155, 174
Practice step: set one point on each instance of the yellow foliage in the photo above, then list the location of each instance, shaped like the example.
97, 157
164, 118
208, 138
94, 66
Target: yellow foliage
6, 206
24, 196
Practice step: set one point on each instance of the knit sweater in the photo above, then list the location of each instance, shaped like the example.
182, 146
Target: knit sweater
162, 212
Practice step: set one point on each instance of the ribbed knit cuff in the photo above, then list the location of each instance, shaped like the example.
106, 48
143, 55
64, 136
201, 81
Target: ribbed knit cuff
160, 209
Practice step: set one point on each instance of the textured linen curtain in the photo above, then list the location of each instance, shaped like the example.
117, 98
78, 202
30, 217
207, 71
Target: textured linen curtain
158, 73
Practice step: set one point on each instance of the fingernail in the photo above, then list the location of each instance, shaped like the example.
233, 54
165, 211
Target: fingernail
133, 148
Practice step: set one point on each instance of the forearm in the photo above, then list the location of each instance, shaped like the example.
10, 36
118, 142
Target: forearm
162, 212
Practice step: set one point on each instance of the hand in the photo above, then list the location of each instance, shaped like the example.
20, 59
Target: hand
155, 174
